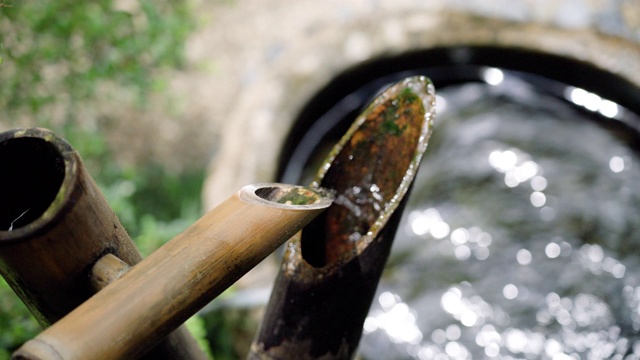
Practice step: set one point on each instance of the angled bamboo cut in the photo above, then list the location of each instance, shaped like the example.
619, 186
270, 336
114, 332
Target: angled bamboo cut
155, 296
332, 267
54, 224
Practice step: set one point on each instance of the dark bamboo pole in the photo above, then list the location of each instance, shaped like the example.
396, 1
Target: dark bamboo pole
158, 294
54, 225
331, 269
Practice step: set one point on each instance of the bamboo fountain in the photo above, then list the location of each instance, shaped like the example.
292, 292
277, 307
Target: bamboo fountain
65, 253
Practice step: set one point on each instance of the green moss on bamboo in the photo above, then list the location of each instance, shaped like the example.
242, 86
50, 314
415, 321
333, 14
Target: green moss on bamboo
299, 196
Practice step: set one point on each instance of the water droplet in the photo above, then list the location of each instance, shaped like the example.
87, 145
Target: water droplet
460, 236
608, 108
538, 199
492, 350
462, 252
510, 291
547, 213
451, 301
539, 183
440, 230
468, 318
452, 349
484, 239
524, 257
481, 253
493, 76
503, 160
453, 332
616, 164
552, 250
439, 336
370, 325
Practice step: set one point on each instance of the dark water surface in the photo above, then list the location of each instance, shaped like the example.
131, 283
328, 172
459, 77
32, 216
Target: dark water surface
522, 234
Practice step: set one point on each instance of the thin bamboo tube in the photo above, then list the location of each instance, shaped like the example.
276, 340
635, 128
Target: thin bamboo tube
54, 225
162, 291
107, 270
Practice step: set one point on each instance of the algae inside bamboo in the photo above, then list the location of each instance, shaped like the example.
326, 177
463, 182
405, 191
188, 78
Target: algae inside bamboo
292, 195
367, 169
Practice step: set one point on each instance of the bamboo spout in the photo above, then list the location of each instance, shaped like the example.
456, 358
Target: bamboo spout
162, 291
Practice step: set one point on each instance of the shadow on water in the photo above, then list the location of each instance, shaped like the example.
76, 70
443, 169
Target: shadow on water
520, 239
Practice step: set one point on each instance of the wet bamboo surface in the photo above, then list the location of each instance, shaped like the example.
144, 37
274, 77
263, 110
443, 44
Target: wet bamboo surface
54, 225
331, 269
154, 297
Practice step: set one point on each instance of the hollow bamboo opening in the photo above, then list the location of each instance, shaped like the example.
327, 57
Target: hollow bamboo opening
33, 171
289, 195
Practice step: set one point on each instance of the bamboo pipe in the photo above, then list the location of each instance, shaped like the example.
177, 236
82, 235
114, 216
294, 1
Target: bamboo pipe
162, 291
54, 224
331, 269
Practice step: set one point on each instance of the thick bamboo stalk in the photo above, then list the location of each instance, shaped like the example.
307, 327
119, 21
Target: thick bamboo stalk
331, 269
162, 291
54, 225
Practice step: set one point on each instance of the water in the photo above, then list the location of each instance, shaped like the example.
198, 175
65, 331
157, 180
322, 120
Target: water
520, 240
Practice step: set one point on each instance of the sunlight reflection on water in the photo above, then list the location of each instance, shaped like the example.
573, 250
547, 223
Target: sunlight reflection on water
520, 240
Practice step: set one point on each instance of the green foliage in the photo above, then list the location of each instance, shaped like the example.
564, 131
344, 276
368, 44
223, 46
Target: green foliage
16, 323
222, 342
61, 54
150, 205
197, 327
60, 51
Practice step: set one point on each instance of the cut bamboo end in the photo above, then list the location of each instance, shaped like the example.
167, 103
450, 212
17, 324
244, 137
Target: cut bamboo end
40, 180
371, 169
285, 196
164, 290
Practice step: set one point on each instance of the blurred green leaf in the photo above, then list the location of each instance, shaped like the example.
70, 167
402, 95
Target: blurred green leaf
60, 51
197, 327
